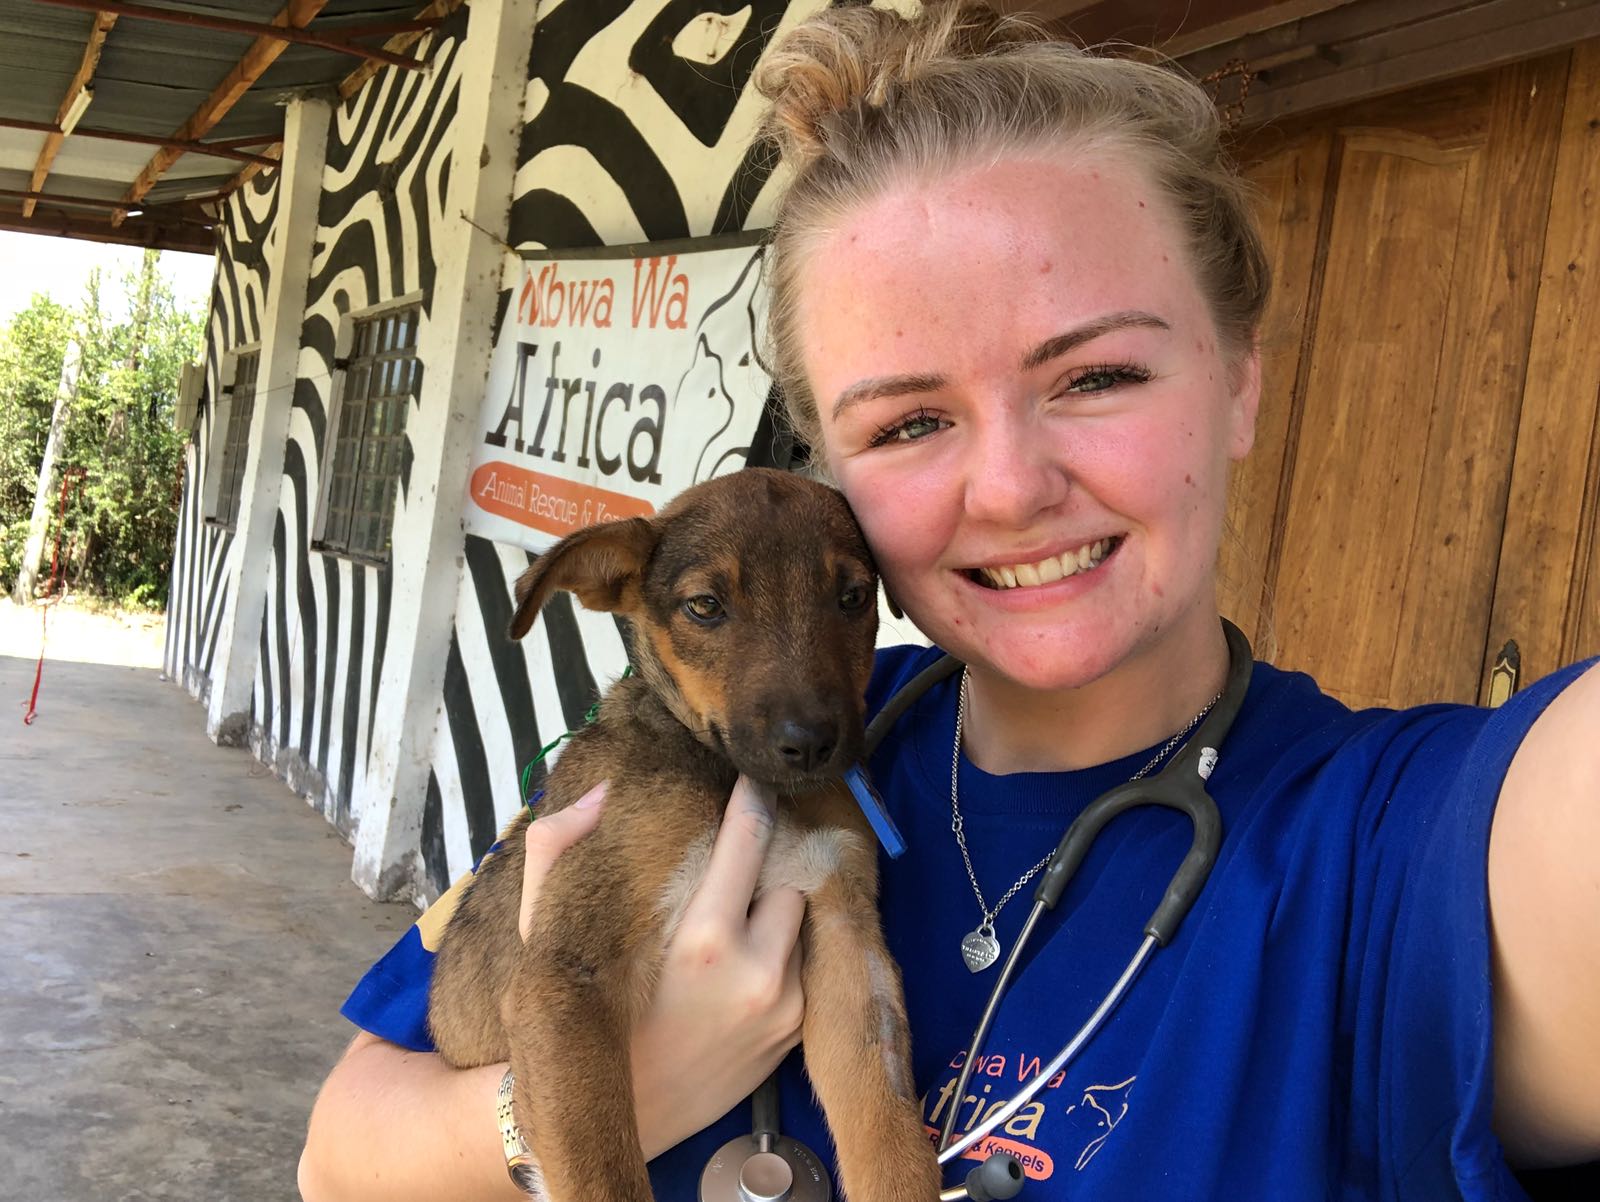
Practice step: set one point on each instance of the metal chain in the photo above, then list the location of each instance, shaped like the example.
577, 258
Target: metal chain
958, 823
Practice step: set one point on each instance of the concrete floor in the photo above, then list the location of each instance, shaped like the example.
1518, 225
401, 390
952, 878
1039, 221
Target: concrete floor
177, 931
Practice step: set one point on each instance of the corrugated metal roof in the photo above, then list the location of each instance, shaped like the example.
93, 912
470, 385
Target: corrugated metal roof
152, 77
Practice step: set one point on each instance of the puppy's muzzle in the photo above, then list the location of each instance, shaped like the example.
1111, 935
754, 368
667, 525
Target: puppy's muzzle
806, 747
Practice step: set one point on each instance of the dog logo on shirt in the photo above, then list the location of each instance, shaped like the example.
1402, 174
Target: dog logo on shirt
1096, 1114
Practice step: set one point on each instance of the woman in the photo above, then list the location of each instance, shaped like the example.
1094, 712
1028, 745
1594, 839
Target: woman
1016, 302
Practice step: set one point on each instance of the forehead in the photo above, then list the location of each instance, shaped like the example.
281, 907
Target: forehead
993, 258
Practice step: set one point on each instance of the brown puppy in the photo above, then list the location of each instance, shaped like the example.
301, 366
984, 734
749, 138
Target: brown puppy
752, 603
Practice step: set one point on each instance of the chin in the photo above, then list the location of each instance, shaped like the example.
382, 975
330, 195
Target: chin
1053, 661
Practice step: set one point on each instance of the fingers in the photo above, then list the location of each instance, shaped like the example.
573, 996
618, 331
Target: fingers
546, 838
775, 919
736, 856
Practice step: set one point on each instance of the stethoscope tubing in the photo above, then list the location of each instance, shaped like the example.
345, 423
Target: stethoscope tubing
990, 1010
1064, 1057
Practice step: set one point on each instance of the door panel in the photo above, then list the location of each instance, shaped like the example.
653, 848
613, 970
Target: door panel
1396, 467
1290, 183
1547, 596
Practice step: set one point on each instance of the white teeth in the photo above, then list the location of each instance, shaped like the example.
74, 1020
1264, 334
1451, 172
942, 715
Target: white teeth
1047, 571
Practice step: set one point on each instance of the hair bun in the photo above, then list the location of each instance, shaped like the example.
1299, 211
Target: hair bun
850, 58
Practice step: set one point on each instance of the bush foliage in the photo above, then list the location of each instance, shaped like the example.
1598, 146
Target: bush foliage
118, 444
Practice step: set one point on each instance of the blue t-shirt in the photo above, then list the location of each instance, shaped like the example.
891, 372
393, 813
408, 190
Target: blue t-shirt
1320, 1026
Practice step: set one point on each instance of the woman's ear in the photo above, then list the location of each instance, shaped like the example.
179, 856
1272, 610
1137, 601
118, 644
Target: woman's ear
1245, 375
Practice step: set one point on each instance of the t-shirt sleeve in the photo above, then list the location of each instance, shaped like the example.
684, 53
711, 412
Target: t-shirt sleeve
1432, 1060
391, 999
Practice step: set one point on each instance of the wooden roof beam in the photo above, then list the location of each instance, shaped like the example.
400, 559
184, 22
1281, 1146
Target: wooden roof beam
138, 232
103, 22
339, 42
431, 14
263, 52
220, 149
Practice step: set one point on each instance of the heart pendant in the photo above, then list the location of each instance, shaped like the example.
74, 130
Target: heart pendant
980, 949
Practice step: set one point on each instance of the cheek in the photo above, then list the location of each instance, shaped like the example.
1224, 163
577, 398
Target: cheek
900, 514
1164, 473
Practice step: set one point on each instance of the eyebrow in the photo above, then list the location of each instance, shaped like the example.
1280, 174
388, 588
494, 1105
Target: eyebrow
1070, 341
885, 386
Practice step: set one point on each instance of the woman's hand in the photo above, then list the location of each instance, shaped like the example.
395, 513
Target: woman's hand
728, 1005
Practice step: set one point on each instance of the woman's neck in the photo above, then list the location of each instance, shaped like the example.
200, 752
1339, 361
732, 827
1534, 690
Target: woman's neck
1143, 701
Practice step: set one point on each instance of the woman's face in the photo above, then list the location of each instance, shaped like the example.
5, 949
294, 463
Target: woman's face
1015, 372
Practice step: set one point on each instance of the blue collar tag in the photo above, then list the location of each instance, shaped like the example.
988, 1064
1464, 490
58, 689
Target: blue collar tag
872, 806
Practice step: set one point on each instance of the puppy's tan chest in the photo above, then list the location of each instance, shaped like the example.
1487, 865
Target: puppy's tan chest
800, 857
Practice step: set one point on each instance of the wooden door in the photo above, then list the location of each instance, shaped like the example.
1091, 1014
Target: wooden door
1408, 235
1547, 594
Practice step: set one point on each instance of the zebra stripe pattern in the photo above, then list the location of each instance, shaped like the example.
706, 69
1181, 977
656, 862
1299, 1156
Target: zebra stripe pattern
384, 190
202, 569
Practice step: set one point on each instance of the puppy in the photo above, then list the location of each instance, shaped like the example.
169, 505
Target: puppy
751, 602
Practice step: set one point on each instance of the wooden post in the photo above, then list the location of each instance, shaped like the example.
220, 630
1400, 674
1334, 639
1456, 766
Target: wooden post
33, 550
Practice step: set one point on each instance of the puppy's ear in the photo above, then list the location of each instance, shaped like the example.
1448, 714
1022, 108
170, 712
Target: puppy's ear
599, 563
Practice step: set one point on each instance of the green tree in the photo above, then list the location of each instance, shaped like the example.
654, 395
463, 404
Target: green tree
31, 350
121, 518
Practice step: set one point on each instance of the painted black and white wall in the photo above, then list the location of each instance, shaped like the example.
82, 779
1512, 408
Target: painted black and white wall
202, 562
385, 186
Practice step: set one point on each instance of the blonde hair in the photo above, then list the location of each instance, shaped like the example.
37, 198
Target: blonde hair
863, 99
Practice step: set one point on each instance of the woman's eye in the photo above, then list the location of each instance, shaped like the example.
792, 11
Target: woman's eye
1101, 379
704, 608
909, 429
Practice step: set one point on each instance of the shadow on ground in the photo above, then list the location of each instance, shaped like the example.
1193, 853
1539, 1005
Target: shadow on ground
178, 932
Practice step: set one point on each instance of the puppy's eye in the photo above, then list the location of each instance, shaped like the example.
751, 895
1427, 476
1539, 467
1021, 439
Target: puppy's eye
704, 609
855, 597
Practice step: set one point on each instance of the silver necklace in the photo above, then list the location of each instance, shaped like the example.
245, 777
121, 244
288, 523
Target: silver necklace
980, 948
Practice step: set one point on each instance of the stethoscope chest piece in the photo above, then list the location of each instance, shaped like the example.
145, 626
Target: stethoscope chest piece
765, 1168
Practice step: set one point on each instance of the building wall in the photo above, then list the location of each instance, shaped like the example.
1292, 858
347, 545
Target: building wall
385, 188
202, 561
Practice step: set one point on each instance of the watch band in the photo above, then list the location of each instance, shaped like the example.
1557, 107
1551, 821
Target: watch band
520, 1161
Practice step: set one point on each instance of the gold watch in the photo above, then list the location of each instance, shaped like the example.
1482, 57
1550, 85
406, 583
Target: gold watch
520, 1161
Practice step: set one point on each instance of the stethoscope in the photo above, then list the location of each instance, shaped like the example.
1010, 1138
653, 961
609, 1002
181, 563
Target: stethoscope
766, 1166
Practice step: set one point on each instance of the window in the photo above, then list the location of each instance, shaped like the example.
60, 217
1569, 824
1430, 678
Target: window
236, 443
380, 379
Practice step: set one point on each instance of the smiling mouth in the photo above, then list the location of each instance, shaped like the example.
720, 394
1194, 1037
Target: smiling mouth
1047, 571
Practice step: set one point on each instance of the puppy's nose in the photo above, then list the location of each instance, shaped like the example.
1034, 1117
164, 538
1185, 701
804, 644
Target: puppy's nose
806, 746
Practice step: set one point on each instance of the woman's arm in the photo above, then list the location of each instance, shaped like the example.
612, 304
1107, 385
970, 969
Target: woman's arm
397, 1125
1544, 904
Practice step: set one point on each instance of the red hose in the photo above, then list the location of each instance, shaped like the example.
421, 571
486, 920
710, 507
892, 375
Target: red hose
68, 479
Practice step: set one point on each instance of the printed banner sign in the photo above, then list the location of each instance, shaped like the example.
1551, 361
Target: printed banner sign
615, 384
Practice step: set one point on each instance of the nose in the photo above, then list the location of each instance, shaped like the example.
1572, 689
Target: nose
806, 745
1014, 470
